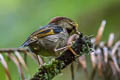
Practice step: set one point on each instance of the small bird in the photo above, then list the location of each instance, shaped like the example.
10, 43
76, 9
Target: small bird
52, 36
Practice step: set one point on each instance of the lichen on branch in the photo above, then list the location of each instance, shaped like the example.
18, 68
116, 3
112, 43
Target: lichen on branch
49, 70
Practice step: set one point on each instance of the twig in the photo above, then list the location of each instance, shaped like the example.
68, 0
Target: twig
10, 50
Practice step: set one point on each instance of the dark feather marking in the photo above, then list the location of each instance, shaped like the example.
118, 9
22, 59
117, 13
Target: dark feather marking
41, 32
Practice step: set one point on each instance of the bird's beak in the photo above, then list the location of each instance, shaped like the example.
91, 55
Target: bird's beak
77, 32
76, 29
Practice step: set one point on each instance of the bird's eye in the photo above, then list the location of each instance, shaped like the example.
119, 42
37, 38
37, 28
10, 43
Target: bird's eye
72, 24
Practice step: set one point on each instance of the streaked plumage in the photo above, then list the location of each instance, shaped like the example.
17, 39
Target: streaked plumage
47, 38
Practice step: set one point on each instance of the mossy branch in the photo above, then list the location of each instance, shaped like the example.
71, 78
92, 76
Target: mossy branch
48, 71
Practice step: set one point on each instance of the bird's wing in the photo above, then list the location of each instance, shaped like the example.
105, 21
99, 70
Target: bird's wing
43, 32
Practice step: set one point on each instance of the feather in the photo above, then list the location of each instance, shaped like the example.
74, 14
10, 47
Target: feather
43, 32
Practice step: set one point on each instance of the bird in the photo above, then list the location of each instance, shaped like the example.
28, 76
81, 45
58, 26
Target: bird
52, 36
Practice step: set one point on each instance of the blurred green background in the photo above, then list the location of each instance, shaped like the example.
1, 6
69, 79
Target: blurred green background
19, 18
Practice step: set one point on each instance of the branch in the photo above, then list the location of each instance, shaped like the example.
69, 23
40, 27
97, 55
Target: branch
10, 50
48, 71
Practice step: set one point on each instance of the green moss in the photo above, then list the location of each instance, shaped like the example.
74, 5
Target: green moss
49, 70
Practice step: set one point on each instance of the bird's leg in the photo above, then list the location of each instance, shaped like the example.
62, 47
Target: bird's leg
56, 47
62, 48
69, 44
70, 48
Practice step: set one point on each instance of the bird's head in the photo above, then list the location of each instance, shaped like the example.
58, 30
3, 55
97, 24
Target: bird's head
70, 25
